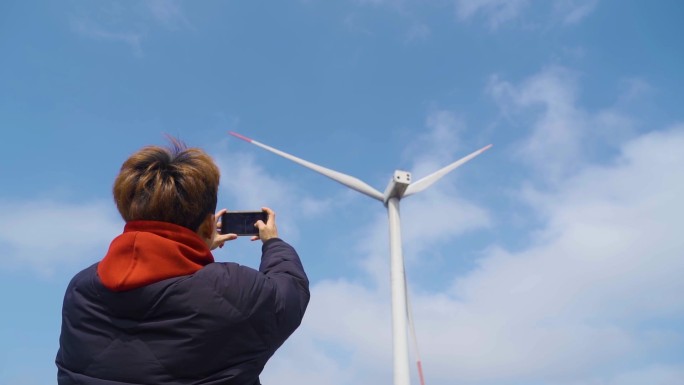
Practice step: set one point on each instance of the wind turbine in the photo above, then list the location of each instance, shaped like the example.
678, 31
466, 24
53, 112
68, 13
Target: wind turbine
399, 187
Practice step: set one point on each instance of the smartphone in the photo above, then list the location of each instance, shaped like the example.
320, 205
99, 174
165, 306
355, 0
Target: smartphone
242, 222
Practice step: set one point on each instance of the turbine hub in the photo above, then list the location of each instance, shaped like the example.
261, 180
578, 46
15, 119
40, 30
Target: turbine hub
397, 185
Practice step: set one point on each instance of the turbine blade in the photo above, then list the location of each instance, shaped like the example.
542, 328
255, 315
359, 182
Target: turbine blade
437, 175
349, 181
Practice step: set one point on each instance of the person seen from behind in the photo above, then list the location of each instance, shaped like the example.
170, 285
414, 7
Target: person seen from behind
157, 309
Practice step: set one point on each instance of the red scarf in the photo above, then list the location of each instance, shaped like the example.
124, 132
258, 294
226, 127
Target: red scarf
149, 252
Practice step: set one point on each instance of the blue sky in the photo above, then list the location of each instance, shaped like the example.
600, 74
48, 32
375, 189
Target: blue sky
553, 259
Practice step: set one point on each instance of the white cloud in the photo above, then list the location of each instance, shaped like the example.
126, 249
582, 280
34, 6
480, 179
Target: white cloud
303, 360
46, 235
128, 23
653, 375
534, 15
531, 14
574, 11
90, 29
438, 146
418, 32
495, 11
558, 132
353, 23
607, 262
168, 12
590, 298
634, 89
375, 2
564, 136
499, 12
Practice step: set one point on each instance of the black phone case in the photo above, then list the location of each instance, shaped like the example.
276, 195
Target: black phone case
241, 222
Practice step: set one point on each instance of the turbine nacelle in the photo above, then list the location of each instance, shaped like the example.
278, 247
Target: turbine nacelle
397, 185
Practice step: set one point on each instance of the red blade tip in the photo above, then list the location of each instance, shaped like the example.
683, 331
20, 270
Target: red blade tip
235, 134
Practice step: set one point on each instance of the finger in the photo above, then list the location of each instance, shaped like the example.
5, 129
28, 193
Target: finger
254, 238
226, 237
259, 224
219, 240
218, 218
270, 213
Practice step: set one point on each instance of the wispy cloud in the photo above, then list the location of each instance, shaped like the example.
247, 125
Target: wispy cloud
353, 24
655, 374
45, 235
418, 32
564, 135
168, 12
128, 23
555, 143
532, 14
496, 12
499, 12
90, 29
442, 136
574, 11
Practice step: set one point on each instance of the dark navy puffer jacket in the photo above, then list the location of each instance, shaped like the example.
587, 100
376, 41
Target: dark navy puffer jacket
218, 325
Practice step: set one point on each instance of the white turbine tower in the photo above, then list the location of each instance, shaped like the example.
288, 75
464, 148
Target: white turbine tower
399, 187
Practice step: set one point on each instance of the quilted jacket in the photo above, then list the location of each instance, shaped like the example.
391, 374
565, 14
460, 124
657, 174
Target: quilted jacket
158, 310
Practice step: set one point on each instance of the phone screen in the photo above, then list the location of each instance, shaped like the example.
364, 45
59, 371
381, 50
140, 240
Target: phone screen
241, 222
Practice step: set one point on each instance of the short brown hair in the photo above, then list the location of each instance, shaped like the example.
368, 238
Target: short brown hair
173, 184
